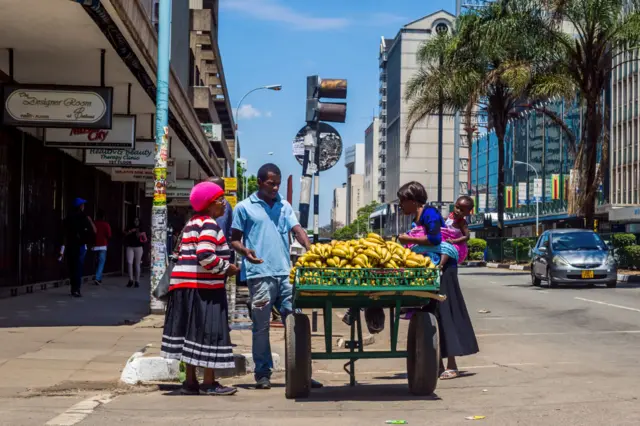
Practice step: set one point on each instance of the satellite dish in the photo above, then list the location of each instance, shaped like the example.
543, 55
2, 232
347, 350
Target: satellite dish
330, 145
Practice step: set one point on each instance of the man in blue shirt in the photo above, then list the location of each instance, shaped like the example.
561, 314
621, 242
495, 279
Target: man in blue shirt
260, 233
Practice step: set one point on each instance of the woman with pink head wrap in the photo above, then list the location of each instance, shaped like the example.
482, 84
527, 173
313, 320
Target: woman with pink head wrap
196, 329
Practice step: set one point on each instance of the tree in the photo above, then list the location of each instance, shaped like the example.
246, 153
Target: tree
493, 64
358, 227
252, 182
590, 39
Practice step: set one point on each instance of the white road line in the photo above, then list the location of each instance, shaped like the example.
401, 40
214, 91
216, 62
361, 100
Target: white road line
608, 304
80, 411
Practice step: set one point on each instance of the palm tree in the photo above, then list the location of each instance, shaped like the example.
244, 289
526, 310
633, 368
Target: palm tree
589, 39
492, 64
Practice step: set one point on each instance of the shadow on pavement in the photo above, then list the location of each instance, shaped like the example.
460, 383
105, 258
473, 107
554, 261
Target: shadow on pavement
366, 392
497, 273
109, 304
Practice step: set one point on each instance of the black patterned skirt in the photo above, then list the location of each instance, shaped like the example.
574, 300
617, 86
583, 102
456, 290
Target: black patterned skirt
196, 328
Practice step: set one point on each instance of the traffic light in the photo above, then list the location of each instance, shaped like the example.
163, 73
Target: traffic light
332, 88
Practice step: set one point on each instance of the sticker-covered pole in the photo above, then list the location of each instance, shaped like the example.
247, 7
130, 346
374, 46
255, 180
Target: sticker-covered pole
159, 209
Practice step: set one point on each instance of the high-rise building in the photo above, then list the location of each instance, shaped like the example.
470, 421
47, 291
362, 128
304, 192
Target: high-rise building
398, 64
354, 162
371, 162
339, 208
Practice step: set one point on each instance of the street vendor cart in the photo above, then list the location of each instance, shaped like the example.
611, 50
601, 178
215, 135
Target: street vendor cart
329, 288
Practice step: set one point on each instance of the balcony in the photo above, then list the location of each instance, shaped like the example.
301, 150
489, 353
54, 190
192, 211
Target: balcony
382, 165
382, 179
383, 138
382, 152
383, 101
383, 85
203, 103
383, 59
383, 112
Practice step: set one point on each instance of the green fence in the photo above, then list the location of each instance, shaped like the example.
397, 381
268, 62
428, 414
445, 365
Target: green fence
517, 250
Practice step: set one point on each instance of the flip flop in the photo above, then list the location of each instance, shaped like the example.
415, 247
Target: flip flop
449, 374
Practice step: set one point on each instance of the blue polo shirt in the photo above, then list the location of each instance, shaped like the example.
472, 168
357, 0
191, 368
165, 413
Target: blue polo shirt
266, 231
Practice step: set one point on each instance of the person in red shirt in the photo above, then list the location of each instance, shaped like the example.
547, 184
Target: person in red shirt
103, 234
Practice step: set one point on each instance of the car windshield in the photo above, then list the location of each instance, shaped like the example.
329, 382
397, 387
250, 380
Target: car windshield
572, 241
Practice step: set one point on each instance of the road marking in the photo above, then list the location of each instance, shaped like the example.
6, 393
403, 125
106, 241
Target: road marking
80, 411
559, 333
608, 304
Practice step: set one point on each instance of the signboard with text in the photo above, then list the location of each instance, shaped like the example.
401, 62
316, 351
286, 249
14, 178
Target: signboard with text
38, 105
140, 174
181, 188
230, 184
143, 155
121, 135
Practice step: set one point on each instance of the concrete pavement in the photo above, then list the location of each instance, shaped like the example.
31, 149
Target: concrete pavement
566, 356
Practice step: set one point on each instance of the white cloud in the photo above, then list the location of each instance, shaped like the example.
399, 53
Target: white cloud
248, 111
273, 10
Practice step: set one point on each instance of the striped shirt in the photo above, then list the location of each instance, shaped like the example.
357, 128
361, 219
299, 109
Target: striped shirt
204, 256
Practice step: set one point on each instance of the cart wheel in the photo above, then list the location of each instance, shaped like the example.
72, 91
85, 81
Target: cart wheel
423, 360
297, 356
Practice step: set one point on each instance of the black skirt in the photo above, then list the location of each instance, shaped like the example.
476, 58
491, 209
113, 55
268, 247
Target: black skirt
196, 328
457, 337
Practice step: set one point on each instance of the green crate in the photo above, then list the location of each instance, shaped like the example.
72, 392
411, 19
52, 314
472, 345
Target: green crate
367, 279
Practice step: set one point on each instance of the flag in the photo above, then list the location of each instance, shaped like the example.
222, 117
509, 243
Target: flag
566, 187
508, 197
555, 187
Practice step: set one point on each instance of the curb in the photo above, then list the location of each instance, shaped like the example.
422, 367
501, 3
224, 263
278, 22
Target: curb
142, 369
623, 278
475, 264
510, 267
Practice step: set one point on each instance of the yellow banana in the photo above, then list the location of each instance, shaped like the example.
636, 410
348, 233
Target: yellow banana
339, 252
352, 252
392, 264
359, 262
412, 264
319, 263
371, 242
371, 254
331, 262
343, 262
375, 236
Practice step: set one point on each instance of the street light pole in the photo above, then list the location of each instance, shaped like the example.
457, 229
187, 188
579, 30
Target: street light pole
159, 209
537, 198
277, 88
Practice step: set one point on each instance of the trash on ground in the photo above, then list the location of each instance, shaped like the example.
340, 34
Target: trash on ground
475, 418
484, 311
485, 390
396, 422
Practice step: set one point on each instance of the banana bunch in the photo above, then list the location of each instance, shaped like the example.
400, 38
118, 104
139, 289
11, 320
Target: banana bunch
370, 252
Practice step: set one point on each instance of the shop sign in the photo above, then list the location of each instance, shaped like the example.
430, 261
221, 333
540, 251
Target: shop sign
181, 188
625, 214
35, 105
230, 184
212, 131
143, 155
131, 174
232, 200
121, 135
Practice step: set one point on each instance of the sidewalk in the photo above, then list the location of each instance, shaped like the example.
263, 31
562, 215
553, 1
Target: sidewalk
50, 340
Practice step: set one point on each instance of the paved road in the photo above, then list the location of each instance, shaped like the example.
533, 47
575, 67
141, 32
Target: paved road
567, 356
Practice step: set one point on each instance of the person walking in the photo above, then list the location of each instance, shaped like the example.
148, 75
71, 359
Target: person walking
134, 240
260, 232
196, 328
79, 230
103, 235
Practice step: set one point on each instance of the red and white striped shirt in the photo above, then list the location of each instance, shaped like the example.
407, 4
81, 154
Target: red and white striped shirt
204, 256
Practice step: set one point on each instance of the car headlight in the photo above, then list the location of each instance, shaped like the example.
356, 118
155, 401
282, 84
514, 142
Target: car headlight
611, 261
560, 261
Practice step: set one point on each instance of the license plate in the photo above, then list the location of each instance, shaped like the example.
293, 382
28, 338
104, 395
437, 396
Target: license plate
587, 274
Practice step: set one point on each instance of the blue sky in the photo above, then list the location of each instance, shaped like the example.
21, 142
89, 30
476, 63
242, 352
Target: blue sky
282, 42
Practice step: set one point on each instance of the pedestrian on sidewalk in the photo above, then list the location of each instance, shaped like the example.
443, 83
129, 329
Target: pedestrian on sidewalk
134, 240
103, 235
79, 230
196, 327
260, 233
457, 337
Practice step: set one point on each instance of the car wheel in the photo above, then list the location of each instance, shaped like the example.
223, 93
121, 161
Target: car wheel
534, 280
550, 282
612, 284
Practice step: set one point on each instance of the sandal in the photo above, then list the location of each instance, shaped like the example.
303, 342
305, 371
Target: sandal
449, 374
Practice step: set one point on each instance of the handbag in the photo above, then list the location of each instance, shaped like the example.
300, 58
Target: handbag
161, 292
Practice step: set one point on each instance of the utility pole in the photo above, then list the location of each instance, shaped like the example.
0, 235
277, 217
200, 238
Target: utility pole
159, 209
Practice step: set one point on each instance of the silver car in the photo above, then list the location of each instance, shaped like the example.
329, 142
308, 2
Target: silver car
564, 256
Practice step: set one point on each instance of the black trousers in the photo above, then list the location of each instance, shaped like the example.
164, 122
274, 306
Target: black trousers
75, 262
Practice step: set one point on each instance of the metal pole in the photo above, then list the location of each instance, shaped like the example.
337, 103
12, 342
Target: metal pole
440, 145
159, 209
306, 180
316, 189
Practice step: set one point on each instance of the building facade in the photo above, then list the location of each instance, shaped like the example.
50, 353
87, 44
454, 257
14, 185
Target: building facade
339, 208
107, 50
398, 64
371, 162
354, 160
535, 140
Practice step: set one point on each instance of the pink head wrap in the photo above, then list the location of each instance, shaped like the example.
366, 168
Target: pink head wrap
204, 194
